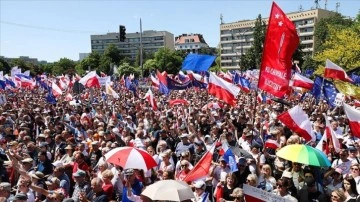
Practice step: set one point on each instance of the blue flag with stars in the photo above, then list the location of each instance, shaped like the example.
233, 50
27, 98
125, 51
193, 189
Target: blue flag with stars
328, 90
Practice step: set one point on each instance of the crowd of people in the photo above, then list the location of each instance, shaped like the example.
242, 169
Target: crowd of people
55, 152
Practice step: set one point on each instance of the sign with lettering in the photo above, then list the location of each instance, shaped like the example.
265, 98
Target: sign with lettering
258, 195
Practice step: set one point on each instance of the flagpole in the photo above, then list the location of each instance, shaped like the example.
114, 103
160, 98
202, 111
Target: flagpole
141, 51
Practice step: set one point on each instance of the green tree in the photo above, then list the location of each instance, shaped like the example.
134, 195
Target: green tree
208, 51
309, 63
126, 69
4, 66
64, 65
93, 61
252, 58
113, 53
341, 47
149, 66
321, 33
167, 60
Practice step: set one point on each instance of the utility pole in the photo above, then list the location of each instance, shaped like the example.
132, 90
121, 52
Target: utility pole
337, 6
141, 51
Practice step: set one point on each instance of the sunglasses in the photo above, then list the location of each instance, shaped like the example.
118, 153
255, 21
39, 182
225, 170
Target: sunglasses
184, 165
335, 196
355, 169
279, 185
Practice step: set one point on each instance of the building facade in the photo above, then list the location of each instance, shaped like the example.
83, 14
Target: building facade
83, 56
151, 42
191, 43
237, 37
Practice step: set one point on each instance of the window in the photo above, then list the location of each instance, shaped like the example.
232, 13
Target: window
180, 46
159, 38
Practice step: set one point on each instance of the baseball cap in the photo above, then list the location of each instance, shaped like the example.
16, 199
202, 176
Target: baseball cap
79, 173
200, 184
27, 160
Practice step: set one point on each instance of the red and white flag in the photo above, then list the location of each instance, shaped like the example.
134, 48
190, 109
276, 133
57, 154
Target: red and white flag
149, 96
154, 81
201, 169
280, 43
56, 90
272, 144
333, 71
90, 80
354, 119
302, 81
298, 121
222, 89
329, 138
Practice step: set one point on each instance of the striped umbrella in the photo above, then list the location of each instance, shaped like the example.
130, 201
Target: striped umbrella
304, 154
130, 157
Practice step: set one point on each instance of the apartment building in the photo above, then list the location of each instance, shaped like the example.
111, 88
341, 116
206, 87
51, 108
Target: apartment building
191, 43
237, 37
151, 42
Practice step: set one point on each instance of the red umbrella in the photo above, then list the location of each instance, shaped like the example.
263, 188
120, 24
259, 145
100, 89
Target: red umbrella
130, 157
178, 101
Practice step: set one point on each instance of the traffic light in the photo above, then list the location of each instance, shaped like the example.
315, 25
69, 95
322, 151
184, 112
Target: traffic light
122, 32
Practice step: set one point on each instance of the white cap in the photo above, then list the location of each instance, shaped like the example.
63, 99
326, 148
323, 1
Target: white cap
200, 184
57, 164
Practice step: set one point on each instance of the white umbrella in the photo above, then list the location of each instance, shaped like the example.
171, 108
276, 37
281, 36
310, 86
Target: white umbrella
169, 190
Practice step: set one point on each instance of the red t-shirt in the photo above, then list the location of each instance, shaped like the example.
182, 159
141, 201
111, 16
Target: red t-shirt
108, 189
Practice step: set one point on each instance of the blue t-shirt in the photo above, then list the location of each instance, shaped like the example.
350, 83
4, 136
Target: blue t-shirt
136, 190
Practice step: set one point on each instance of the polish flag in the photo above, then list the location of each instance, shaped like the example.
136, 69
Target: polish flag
298, 121
149, 96
226, 76
272, 144
111, 91
354, 119
154, 81
25, 82
329, 138
90, 80
56, 90
201, 169
333, 71
222, 89
62, 84
301, 81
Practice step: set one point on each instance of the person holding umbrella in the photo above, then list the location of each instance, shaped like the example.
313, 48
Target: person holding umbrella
135, 184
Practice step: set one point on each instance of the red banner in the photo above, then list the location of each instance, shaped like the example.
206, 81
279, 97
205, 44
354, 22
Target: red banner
280, 43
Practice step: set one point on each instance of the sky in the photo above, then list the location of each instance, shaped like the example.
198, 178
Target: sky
50, 30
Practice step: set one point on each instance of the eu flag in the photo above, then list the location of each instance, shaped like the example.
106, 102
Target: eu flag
328, 90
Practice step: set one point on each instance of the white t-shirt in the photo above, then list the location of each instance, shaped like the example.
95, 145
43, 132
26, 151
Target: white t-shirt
344, 166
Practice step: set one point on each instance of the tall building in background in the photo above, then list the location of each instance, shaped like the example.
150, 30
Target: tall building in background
151, 42
237, 37
191, 43
83, 56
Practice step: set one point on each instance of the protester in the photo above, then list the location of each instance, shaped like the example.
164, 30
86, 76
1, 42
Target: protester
58, 151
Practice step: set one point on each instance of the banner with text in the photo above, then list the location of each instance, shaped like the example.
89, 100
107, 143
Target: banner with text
254, 194
280, 43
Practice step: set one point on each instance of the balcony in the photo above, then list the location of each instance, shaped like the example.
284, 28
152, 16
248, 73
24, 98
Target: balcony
306, 33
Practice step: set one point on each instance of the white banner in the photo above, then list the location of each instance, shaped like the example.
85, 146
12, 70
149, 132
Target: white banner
104, 80
262, 195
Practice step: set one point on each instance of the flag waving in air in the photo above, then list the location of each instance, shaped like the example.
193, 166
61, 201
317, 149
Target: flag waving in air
149, 96
298, 121
333, 71
354, 119
280, 43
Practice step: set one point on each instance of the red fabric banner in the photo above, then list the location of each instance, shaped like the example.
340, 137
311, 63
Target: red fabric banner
280, 43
